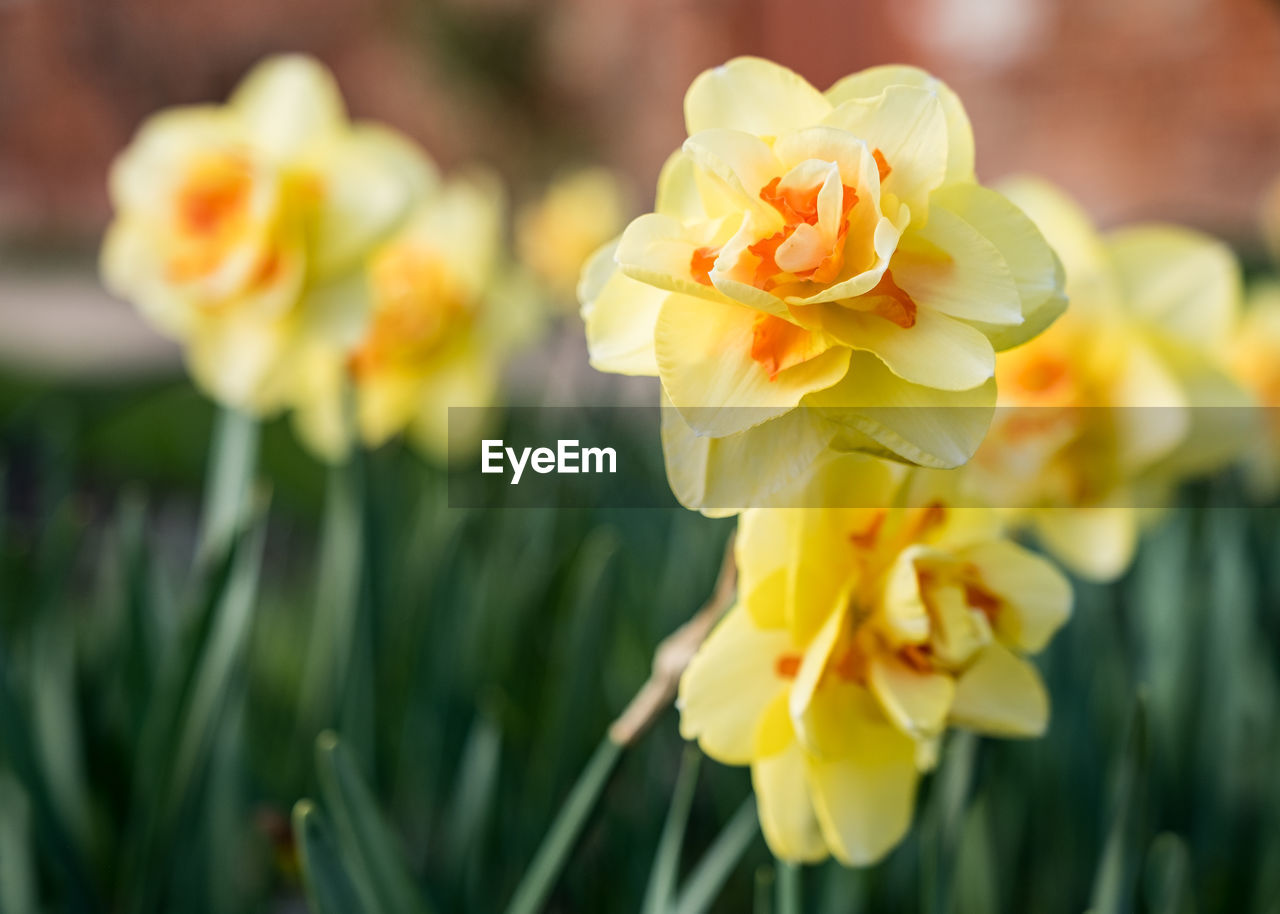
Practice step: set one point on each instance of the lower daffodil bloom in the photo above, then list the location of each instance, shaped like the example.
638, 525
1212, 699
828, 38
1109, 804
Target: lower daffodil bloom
828, 254
1104, 413
435, 337
860, 635
241, 229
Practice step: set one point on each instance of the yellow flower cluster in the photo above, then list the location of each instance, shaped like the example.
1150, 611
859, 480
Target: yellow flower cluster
1126, 395
296, 255
859, 636
822, 285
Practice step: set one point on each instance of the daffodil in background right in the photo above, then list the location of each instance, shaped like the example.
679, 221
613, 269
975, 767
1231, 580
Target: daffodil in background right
1127, 395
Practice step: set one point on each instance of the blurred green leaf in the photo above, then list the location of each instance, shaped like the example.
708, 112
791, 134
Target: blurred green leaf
534, 889
372, 853
1167, 877
720, 860
329, 886
1115, 886
17, 863
666, 862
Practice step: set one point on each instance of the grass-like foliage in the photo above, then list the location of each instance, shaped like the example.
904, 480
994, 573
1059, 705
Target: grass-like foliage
337, 691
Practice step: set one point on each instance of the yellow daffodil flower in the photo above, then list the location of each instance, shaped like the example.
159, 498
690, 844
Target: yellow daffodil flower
859, 636
241, 229
556, 234
830, 251
435, 335
1104, 413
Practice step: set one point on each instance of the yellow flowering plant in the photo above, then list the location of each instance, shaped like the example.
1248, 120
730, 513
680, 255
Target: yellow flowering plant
241, 229
437, 330
858, 637
824, 255
1103, 414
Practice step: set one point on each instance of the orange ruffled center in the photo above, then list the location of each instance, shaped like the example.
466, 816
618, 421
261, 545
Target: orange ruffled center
418, 305
810, 247
875, 548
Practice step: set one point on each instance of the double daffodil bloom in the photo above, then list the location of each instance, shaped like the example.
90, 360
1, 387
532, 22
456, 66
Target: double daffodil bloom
1111, 407
830, 251
556, 234
860, 635
436, 331
241, 229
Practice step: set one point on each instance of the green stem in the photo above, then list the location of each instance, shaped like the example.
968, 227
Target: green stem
790, 899
713, 870
553, 854
666, 862
233, 457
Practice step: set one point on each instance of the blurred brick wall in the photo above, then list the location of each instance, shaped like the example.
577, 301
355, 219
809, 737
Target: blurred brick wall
1142, 108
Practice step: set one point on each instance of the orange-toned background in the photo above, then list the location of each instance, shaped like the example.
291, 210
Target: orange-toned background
1141, 108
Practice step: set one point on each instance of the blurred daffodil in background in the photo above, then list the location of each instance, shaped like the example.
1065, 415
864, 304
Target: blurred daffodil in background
859, 636
1127, 395
242, 229
823, 250
1255, 362
556, 233
438, 331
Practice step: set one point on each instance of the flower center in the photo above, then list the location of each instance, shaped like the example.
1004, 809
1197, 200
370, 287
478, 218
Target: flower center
418, 304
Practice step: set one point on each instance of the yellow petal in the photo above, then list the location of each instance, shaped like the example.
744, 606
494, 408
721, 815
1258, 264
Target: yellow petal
950, 267
464, 376
1036, 270
658, 250
243, 362
727, 687
918, 424
386, 403
761, 550
145, 177
1035, 597
765, 465
1186, 283
864, 799
908, 126
816, 706
753, 95
1151, 417
462, 224
960, 631
319, 414
905, 614
742, 162
366, 186
705, 359
917, 702
1096, 543
936, 351
1090, 280
786, 811
131, 270
1001, 694
290, 103
620, 314
874, 80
